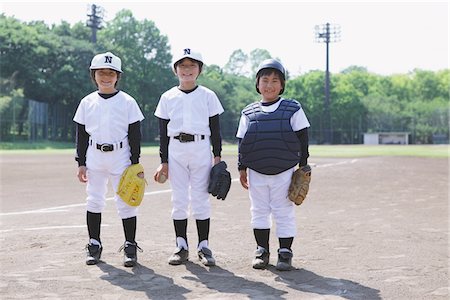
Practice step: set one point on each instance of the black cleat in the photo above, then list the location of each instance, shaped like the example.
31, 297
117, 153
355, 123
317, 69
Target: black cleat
130, 253
205, 256
180, 256
261, 259
93, 254
284, 260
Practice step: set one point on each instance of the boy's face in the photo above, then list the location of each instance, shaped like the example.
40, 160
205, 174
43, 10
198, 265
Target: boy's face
187, 70
270, 86
106, 80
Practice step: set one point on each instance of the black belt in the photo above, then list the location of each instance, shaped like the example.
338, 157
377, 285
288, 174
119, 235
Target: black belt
109, 147
186, 137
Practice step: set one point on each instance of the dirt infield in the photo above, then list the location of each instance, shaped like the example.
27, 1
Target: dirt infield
371, 228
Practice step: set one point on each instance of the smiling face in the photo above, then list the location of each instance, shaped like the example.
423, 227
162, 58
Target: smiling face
187, 71
270, 85
106, 80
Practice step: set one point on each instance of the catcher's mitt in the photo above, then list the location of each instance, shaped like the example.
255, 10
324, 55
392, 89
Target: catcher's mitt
219, 181
299, 187
132, 185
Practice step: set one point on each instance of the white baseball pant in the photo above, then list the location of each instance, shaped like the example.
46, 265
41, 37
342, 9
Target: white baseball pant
269, 198
189, 167
103, 167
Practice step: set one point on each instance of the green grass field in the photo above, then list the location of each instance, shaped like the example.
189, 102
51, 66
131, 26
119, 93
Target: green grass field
315, 150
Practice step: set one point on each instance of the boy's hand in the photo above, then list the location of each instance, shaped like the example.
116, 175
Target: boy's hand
243, 178
162, 173
82, 174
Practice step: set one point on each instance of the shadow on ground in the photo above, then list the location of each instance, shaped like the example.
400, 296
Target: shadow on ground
310, 282
226, 282
143, 279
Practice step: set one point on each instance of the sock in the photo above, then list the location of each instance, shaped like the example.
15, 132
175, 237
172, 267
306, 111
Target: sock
180, 232
202, 229
129, 229
93, 221
95, 242
182, 243
202, 244
262, 237
286, 243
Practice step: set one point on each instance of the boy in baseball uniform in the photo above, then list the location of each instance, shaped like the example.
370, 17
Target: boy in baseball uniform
108, 140
273, 139
189, 125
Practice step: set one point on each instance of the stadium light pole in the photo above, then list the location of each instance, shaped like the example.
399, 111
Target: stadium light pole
95, 20
327, 33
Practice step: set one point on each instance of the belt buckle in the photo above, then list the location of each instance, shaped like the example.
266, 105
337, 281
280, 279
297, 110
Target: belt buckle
182, 137
106, 147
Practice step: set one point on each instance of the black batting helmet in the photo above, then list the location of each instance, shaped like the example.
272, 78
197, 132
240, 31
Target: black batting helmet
271, 64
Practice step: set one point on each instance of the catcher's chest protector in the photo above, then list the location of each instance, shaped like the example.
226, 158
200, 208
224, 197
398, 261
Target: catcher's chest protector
270, 146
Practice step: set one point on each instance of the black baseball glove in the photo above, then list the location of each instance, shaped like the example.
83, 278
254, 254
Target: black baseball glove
219, 181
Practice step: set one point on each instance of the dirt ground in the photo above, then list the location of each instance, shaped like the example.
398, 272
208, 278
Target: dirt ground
371, 228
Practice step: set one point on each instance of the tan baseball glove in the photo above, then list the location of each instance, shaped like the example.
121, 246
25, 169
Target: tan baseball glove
132, 185
299, 187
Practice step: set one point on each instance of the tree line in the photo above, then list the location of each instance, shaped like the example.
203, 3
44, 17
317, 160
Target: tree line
47, 66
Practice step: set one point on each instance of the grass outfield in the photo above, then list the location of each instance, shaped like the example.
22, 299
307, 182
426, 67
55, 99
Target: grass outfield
315, 150
368, 150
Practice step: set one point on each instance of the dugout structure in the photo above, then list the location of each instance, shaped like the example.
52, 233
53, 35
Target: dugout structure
384, 138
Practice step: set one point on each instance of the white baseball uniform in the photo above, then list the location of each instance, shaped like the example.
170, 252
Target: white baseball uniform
106, 121
269, 193
189, 162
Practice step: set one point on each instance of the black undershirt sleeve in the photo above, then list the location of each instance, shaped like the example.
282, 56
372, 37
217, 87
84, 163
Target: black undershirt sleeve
216, 138
304, 146
82, 143
240, 165
163, 140
134, 140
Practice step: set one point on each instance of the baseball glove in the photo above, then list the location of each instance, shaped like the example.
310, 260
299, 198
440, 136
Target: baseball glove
299, 187
132, 185
219, 181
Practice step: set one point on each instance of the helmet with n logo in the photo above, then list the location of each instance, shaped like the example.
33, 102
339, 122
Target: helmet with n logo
106, 61
187, 53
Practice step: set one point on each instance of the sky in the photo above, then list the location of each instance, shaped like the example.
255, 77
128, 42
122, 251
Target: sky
385, 37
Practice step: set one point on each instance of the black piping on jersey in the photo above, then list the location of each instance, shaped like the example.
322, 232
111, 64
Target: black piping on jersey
189, 91
107, 96
270, 103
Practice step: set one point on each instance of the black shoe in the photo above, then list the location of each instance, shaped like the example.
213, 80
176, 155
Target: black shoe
284, 260
261, 259
179, 256
205, 256
130, 253
93, 254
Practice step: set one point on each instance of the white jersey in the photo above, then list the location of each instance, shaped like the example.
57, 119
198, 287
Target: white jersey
188, 112
107, 120
298, 120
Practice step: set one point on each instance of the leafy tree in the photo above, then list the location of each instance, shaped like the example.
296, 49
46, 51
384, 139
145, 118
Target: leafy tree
256, 57
146, 62
51, 64
234, 92
237, 63
308, 89
11, 103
